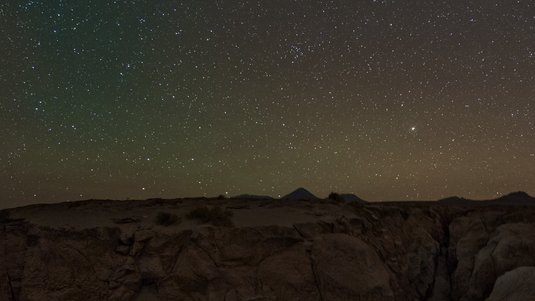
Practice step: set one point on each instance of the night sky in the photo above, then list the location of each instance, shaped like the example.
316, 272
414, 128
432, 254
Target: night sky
391, 100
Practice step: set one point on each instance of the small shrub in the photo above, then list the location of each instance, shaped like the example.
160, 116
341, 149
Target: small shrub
215, 216
166, 219
221, 197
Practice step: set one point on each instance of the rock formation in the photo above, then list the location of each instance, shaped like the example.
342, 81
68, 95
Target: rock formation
271, 250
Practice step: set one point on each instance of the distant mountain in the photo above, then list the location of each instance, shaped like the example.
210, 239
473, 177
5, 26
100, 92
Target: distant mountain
252, 197
349, 197
455, 200
300, 194
515, 198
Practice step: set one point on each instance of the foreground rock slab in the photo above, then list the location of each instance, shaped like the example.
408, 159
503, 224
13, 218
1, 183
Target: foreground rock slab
266, 250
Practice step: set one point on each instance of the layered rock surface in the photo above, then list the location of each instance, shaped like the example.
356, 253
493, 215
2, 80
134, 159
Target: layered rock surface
275, 250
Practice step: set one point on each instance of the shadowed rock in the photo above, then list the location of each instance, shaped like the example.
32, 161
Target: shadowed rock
276, 251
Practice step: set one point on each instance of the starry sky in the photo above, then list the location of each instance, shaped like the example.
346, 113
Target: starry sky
391, 100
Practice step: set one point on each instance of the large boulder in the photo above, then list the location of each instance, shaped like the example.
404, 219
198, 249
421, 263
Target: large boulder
289, 275
510, 246
517, 284
346, 268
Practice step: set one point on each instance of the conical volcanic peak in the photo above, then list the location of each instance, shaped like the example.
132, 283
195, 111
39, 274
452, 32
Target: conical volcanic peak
300, 194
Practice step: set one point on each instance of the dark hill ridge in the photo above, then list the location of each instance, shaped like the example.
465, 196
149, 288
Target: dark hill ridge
455, 200
516, 198
252, 197
349, 197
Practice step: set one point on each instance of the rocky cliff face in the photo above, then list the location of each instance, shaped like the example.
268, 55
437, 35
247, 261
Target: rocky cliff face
273, 250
